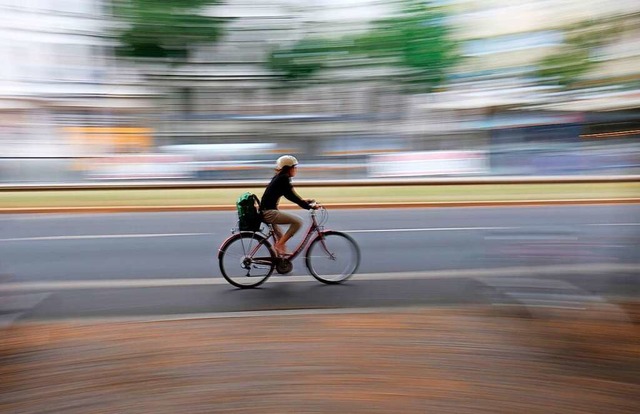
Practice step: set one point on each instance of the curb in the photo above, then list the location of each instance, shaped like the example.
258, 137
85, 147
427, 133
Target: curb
436, 204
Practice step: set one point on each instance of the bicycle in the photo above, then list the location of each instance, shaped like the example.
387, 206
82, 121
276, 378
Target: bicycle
247, 259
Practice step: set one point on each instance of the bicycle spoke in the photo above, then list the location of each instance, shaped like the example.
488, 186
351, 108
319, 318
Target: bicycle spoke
246, 261
333, 258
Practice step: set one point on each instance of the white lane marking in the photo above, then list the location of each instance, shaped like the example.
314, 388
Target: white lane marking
430, 229
133, 236
614, 224
475, 228
398, 230
233, 314
530, 237
104, 236
515, 271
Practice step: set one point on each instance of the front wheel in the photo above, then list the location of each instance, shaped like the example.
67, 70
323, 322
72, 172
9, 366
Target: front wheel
332, 257
246, 259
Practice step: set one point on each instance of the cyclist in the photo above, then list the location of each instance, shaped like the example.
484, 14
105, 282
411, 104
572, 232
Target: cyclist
280, 185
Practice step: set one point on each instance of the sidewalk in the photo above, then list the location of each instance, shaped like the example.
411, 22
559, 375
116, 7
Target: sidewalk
423, 360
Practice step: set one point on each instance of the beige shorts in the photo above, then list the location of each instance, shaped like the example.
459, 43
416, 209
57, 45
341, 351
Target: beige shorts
276, 217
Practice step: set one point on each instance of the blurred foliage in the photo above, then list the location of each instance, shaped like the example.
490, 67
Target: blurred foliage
164, 29
579, 53
304, 58
566, 66
416, 39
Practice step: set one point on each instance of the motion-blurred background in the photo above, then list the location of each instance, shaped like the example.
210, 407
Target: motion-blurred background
202, 89
522, 309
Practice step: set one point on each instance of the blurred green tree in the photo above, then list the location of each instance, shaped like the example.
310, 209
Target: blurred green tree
579, 53
165, 29
303, 59
416, 40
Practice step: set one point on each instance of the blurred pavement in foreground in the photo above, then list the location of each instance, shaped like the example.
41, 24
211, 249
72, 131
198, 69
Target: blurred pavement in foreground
440, 360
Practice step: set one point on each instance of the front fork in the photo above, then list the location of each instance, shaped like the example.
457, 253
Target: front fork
324, 245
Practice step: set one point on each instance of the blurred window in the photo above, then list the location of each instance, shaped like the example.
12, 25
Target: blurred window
71, 62
20, 55
5, 72
626, 47
113, 139
68, 6
13, 3
512, 43
186, 100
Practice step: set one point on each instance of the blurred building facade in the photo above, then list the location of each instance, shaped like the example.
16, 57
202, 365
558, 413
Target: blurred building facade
493, 97
59, 87
225, 93
64, 95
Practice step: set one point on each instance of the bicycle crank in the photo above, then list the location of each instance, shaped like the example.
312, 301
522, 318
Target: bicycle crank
284, 266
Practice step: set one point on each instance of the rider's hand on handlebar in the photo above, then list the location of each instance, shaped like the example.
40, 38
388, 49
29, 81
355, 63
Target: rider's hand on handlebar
314, 205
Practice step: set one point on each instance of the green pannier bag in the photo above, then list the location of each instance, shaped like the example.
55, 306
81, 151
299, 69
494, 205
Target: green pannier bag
249, 217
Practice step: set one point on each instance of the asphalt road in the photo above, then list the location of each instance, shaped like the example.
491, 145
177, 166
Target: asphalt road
159, 264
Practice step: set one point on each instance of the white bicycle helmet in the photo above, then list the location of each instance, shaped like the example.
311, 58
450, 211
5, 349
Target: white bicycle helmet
286, 161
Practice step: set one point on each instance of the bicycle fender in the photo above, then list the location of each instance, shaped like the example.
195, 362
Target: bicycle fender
259, 236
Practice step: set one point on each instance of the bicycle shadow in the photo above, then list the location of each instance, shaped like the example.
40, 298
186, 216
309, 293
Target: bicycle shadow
295, 295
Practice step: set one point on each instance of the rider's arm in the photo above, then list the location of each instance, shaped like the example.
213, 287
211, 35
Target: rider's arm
291, 195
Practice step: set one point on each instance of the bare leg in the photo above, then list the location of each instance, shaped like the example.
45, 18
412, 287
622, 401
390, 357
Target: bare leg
281, 244
278, 217
277, 232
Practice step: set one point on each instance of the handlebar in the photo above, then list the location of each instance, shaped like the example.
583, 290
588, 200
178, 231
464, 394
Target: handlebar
315, 205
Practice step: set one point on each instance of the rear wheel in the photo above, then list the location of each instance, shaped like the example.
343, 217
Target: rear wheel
246, 260
332, 257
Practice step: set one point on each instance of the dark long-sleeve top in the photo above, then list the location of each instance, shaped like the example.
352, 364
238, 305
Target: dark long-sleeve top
279, 186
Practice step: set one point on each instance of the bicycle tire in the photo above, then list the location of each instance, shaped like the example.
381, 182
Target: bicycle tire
332, 257
243, 253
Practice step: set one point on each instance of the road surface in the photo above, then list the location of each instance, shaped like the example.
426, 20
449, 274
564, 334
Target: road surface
163, 264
